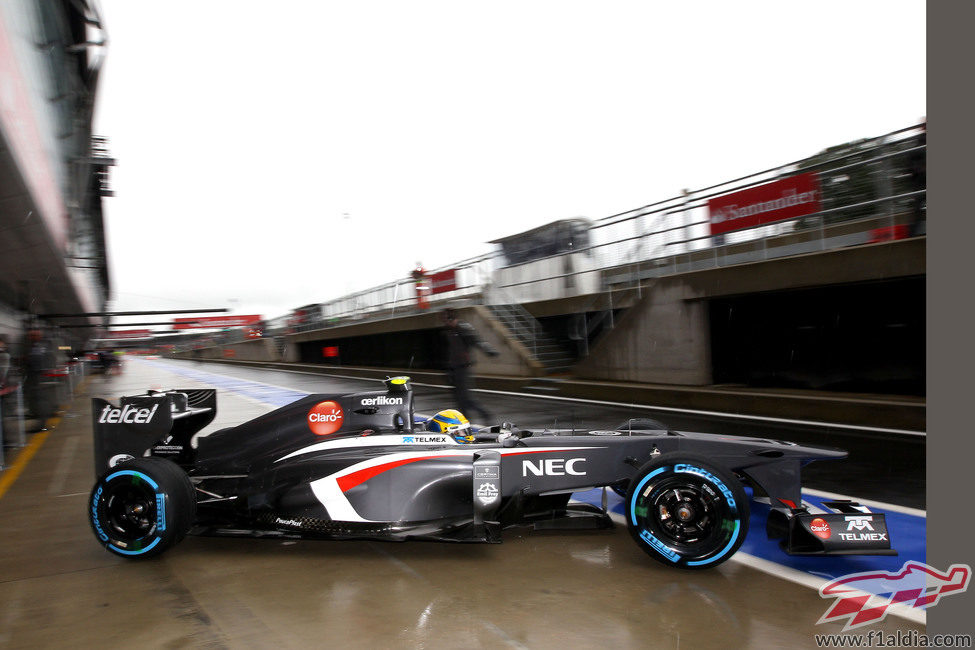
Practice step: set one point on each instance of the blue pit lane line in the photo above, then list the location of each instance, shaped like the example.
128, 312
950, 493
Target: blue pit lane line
273, 395
908, 532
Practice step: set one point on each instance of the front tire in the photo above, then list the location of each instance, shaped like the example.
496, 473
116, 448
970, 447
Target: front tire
683, 511
142, 507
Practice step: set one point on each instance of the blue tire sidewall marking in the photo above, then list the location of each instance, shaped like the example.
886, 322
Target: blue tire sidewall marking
708, 476
725, 490
132, 472
645, 534
636, 492
721, 554
112, 547
160, 511
95, 498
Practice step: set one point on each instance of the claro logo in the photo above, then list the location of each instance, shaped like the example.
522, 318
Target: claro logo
820, 528
325, 418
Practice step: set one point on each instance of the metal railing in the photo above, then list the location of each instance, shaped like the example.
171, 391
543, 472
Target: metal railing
866, 186
56, 388
11, 400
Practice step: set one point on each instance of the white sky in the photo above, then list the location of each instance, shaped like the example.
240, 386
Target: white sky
244, 130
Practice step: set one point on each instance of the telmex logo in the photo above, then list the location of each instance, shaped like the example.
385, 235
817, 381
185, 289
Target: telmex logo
859, 523
552, 467
129, 415
325, 418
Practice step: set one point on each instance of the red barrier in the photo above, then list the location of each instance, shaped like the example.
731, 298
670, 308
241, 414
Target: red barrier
889, 233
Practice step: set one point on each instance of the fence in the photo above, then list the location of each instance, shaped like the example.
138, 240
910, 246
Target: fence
58, 386
873, 188
17, 395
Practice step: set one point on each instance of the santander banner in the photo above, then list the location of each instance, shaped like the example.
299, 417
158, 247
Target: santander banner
215, 321
789, 198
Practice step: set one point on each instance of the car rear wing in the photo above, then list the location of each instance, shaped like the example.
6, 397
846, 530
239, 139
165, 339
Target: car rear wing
157, 423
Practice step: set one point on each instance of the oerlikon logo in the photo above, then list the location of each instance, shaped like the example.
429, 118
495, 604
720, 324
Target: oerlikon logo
863, 598
325, 418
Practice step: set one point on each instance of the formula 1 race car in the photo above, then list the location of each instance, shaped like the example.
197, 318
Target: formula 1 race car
357, 466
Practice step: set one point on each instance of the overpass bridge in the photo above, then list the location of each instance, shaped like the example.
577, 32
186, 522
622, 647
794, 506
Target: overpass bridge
831, 300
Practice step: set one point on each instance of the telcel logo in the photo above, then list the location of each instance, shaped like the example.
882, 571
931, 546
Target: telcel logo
129, 415
553, 467
325, 418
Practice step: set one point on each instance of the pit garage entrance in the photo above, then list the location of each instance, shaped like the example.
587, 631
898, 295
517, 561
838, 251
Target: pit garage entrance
863, 337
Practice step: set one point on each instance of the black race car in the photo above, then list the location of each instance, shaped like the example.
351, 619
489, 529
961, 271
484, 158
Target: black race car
356, 466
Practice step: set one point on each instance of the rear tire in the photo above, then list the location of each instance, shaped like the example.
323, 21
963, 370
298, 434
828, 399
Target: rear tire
683, 511
142, 507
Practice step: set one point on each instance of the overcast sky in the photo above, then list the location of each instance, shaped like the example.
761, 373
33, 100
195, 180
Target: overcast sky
274, 154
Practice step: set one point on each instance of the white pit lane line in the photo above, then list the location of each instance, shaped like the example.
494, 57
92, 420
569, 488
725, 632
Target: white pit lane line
879, 505
810, 580
795, 576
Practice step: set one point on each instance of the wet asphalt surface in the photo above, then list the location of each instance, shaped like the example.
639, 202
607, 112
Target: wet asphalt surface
538, 589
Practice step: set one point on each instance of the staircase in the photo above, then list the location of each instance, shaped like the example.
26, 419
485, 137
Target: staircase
530, 333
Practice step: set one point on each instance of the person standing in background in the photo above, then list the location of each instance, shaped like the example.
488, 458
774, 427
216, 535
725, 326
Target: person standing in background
38, 361
460, 338
4, 361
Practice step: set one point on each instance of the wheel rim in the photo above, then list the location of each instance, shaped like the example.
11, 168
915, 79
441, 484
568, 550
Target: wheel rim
130, 510
685, 514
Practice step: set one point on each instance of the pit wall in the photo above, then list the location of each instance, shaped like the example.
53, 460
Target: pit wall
663, 339
256, 350
513, 359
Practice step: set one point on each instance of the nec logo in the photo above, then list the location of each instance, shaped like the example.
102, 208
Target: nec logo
553, 467
859, 523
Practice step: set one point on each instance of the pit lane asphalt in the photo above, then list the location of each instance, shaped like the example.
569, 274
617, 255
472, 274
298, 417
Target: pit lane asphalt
59, 588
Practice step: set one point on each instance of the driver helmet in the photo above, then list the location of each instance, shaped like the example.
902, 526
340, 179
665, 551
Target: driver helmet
453, 423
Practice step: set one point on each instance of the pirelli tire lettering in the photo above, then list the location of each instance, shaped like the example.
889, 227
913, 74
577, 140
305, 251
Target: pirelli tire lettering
683, 511
141, 507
